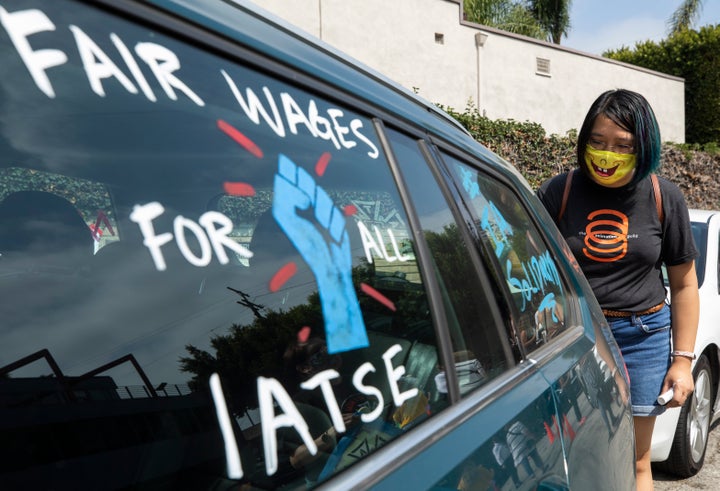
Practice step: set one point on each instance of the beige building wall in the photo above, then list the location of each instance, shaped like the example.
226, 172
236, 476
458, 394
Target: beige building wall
425, 46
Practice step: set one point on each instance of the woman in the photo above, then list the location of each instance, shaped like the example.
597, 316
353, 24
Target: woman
621, 230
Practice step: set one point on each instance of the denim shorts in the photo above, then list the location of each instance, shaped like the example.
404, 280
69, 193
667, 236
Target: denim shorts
644, 342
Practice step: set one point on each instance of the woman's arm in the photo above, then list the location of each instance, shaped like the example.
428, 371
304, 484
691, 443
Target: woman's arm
685, 315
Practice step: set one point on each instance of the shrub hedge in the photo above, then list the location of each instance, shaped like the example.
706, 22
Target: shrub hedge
539, 156
695, 56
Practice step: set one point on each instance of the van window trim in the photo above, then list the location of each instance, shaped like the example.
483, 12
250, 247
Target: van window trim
425, 264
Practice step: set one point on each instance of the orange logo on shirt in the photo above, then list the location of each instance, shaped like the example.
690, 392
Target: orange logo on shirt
606, 236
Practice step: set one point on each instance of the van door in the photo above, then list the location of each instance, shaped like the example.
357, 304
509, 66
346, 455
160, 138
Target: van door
507, 431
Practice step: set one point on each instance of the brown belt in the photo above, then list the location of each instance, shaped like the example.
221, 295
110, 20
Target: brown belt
620, 313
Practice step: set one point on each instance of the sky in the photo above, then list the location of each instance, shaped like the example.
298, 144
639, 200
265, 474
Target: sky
601, 25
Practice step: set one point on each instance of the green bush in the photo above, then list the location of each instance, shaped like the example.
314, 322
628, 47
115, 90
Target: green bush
694, 56
537, 156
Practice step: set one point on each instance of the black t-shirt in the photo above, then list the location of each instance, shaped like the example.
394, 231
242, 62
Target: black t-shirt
618, 239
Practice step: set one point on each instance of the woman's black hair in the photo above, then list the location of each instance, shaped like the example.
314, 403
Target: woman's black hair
632, 112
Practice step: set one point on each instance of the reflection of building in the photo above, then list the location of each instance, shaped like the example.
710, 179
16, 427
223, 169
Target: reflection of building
89, 198
61, 432
406, 271
371, 209
18, 392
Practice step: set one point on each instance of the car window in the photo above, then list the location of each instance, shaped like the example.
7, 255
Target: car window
476, 335
206, 270
700, 236
524, 264
700, 233
717, 268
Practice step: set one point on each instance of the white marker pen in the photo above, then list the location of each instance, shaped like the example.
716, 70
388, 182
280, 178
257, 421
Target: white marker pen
666, 396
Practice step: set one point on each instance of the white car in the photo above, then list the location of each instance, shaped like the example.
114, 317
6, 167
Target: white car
680, 436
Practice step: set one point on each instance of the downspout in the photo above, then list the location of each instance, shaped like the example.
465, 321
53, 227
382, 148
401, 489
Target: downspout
480, 39
320, 19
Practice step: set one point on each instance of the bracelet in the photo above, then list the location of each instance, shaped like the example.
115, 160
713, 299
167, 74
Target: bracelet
684, 354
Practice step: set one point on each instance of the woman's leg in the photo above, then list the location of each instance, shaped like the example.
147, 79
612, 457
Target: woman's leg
643, 436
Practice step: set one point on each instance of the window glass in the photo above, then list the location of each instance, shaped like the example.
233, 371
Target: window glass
476, 338
524, 262
700, 234
206, 272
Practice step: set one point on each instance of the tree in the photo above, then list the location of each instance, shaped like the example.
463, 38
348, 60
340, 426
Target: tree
508, 15
685, 16
695, 56
247, 352
548, 20
553, 16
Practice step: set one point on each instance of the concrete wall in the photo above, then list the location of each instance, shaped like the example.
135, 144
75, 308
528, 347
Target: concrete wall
425, 46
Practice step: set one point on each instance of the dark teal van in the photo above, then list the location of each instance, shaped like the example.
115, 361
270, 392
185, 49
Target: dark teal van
232, 259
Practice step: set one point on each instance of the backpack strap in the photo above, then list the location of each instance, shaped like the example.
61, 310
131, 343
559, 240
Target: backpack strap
566, 193
658, 197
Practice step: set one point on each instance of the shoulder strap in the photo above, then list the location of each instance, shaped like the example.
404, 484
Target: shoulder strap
658, 197
566, 193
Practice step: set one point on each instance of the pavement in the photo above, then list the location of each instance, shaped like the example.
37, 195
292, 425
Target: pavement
708, 477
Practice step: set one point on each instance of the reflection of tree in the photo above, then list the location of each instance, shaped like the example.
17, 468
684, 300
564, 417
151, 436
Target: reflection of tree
450, 255
249, 351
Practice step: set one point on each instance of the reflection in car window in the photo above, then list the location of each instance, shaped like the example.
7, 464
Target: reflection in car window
476, 339
90, 200
508, 459
205, 270
524, 261
700, 232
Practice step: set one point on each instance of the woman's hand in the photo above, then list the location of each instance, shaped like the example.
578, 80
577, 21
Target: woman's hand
680, 378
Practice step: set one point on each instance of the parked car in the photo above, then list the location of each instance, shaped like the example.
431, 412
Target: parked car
233, 259
680, 436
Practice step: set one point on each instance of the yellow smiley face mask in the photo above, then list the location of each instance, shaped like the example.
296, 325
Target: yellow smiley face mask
608, 167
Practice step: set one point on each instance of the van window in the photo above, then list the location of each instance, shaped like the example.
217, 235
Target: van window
476, 337
206, 271
523, 262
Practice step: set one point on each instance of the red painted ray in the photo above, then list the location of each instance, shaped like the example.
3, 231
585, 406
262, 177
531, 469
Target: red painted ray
283, 274
372, 292
322, 163
303, 335
238, 189
243, 140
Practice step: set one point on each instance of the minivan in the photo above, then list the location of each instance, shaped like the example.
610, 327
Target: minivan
233, 258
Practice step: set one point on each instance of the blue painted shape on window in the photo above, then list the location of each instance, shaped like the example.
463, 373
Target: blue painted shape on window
469, 182
324, 244
549, 303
